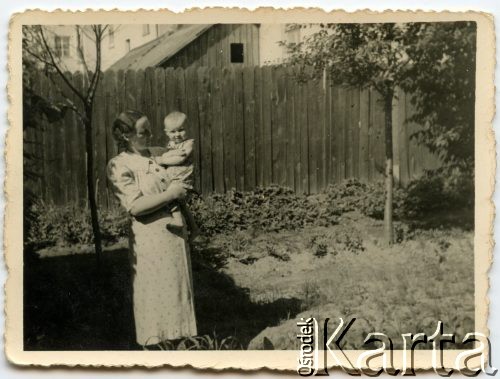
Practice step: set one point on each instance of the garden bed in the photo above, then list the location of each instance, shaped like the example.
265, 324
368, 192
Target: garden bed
274, 276
266, 256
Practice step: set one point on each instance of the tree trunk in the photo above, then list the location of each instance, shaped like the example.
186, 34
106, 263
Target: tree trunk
389, 180
89, 148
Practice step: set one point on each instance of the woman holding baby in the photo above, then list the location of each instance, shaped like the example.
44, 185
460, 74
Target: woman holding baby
162, 278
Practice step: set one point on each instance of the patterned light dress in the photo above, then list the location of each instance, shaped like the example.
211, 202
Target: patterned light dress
162, 281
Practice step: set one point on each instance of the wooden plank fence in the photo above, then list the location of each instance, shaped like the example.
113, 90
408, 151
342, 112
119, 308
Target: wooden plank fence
253, 126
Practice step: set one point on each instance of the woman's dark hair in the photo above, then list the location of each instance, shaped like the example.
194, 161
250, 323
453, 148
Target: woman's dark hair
124, 125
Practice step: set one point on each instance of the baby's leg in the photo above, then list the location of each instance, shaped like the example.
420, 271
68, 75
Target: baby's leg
194, 231
176, 223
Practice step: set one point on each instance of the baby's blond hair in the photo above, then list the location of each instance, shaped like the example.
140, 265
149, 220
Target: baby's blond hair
174, 119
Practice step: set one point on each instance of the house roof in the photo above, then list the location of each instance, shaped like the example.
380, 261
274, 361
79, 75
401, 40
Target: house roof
160, 49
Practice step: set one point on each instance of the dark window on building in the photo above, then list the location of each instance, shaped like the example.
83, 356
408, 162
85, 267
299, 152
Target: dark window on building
61, 46
236, 53
127, 44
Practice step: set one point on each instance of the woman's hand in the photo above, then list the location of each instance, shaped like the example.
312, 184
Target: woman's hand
150, 203
177, 191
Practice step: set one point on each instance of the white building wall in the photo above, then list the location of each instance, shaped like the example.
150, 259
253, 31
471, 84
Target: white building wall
271, 34
110, 52
132, 33
270, 50
72, 61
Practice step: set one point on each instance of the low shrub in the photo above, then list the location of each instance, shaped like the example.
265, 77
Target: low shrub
460, 187
426, 195
71, 225
51, 225
367, 198
437, 191
272, 251
271, 209
114, 224
343, 239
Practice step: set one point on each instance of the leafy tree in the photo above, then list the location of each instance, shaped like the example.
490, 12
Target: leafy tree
442, 80
434, 61
41, 55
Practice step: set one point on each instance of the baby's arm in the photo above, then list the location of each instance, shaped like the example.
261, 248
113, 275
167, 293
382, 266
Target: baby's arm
176, 157
172, 158
188, 147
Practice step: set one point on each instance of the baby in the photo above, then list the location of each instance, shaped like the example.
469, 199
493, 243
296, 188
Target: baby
179, 164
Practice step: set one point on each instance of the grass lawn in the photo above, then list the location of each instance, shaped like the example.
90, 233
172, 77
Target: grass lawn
252, 283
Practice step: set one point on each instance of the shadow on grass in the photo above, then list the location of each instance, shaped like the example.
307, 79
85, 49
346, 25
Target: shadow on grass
461, 218
74, 303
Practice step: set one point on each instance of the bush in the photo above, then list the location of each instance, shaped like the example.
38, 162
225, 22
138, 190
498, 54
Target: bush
438, 191
435, 191
369, 199
459, 186
267, 209
114, 224
343, 239
425, 195
272, 208
71, 225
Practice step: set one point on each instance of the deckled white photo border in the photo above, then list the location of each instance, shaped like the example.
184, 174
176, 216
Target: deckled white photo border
247, 360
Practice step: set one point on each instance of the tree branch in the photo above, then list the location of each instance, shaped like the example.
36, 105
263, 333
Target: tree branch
58, 69
73, 107
41, 59
68, 102
80, 50
97, 72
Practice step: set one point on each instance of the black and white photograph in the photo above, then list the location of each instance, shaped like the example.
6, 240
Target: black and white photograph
191, 186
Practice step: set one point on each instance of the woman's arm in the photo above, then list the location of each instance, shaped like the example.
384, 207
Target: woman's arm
169, 159
150, 203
